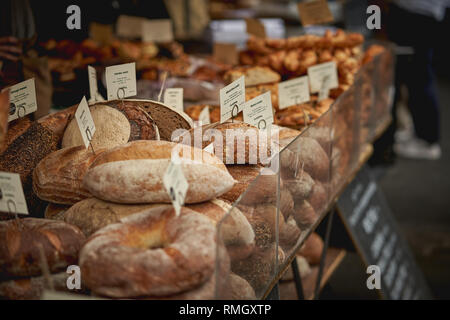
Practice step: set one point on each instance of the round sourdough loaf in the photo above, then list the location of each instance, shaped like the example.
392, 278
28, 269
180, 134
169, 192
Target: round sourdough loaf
58, 178
166, 118
92, 214
20, 241
133, 173
112, 128
234, 142
241, 289
234, 228
312, 249
244, 175
152, 253
306, 153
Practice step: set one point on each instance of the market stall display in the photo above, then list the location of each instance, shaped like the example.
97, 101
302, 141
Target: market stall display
251, 203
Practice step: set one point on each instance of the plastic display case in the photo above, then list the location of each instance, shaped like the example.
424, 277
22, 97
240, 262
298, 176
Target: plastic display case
285, 207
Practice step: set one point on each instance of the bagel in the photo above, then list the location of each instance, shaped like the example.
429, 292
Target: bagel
152, 253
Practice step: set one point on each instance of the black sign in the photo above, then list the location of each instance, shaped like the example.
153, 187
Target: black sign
374, 231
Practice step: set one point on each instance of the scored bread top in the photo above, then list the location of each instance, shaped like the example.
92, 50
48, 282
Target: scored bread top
151, 149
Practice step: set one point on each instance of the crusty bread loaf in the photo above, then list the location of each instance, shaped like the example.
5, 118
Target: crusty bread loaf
300, 187
58, 177
304, 215
289, 235
253, 75
133, 173
92, 214
234, 142
57, 122
24, 153
55, 211
142, 126
244, 175
15, 129
112, 128
241, 289
20, 241
312, 249
166, 118
235, 230
318, 197
306, 153
286, 203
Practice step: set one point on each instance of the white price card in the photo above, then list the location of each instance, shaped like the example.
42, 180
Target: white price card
232, 97
317, 74
173, 97
121, 81
12, 199
85, 122
324, 91
158, 30
258, 111
293, 92
209, 148
93, 89
22, 99
175, 183
129, 26
204, 117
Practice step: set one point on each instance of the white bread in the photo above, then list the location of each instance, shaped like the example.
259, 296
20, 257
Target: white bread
112, 128
133, 173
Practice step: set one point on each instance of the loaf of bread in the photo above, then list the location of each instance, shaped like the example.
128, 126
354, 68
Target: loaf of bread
234, 142
58, 178
20, 242
306, 153
166, 118
133, 173
253, 75
55, 211
305, 215
289, 235
24, 151
92, 214
244, 175
262, 191
112, 128
234, 229
300, 187
142, 126
312, 249
241, 289
318, 197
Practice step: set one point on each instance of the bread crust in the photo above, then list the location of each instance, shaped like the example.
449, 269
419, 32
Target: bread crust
20, 242
153, 253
